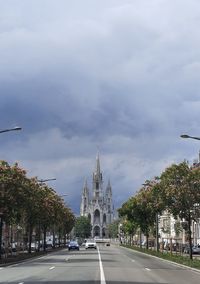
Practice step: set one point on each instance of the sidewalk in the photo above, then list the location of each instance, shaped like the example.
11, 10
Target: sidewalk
21, 256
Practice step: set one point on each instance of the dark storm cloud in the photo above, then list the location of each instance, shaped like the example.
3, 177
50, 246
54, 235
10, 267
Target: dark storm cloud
118, 75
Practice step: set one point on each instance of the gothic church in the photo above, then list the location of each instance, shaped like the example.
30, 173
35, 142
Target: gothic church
98, 207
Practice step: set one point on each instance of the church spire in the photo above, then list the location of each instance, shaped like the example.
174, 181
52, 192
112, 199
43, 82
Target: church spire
85, 188
109, 188
97, 180
98, 171
85, 199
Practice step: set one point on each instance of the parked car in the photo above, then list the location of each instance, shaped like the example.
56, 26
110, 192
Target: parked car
12, 247
90, 244
73, 245
196, 249
3, 250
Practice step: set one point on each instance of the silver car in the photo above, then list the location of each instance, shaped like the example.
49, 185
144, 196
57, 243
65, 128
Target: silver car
196, 249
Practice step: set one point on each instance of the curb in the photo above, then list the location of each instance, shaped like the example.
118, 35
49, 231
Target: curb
166, 260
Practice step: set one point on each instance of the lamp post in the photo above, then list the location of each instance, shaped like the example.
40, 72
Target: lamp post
1, 231
11, 129
1, 214
41, 181
191, 137
188, 136
62, 195
157, 217
44, 180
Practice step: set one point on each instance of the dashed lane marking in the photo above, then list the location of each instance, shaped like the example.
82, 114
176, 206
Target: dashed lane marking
51, 267
147, 269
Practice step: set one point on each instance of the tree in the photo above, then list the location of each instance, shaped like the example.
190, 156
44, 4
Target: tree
142, 209
33, 205
68, 222
113, 229
82, 228
12, 184
129, 228
181, 191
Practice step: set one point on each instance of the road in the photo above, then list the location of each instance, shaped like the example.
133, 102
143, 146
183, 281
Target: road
107, 265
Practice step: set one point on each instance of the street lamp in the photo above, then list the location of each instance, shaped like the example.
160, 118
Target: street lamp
188, 136
1, 231
157, 217
44, 180
1, 214
63, 195
11, 129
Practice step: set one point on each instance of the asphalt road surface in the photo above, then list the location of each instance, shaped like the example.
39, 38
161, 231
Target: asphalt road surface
106, 265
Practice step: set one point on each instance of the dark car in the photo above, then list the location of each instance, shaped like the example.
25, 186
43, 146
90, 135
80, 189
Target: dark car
73, 245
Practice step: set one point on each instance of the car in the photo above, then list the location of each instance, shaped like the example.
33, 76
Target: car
196, 249
73, 245
67, 244
90, 244
3, 251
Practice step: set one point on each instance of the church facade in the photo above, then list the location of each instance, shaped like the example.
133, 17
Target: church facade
97, 205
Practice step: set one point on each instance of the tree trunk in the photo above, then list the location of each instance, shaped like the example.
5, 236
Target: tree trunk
147, 240
140, 239
39, 235
1, 231
30, 238
65, 235
44, 240
54, 241
190, 235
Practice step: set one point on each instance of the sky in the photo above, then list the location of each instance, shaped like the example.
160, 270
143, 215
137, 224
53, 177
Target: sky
121, 77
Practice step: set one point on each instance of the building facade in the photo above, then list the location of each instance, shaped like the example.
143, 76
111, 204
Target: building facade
97, 205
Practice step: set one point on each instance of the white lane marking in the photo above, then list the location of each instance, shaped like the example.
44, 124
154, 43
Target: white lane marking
1, 268
147, 269
102, 276
133, 260
21, 283
52, 267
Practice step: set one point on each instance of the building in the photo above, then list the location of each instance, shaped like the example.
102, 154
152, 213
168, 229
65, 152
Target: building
97, 205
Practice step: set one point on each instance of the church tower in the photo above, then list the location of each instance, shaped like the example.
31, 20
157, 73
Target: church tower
98, 208
84, 200
97, 182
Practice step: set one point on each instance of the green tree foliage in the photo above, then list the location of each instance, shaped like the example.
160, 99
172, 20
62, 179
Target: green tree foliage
113, 229
32, 205
82, 228
181, 192
141, 209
